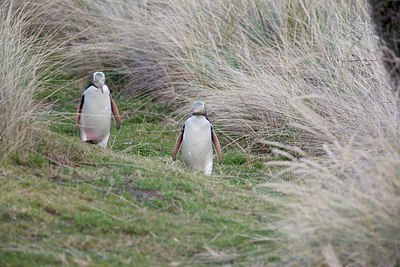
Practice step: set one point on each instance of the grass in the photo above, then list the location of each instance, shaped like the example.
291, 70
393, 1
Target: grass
22, 58
130, 205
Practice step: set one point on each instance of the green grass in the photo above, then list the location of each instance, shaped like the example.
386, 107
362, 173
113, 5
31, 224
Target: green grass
131, 204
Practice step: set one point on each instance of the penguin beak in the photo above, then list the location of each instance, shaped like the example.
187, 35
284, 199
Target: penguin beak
198, 108
197, 111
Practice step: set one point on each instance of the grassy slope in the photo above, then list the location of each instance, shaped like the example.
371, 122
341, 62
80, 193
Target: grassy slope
130, 204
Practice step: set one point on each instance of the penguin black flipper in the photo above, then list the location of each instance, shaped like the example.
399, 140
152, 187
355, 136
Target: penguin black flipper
79, 110
115, 112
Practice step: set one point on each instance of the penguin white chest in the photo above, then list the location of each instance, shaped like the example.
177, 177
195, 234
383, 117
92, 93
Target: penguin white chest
197, 144
96, 114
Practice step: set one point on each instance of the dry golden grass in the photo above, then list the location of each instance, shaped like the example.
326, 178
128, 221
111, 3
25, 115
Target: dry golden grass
21, 58
346, 208
259, 66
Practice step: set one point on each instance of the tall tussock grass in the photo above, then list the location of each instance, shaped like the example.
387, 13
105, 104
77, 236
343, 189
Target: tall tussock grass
29, 60
114, 36
304, 77
345, 209
22, 60
257, 64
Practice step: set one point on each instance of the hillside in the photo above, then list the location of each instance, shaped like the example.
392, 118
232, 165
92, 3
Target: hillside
130, 204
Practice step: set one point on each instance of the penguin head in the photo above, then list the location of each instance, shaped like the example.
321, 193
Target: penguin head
199, 108
98, 79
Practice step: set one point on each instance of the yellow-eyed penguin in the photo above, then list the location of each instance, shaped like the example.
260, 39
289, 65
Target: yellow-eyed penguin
197, 138
93, 116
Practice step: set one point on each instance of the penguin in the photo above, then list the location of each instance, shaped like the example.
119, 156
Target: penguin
93, 116
197, 138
